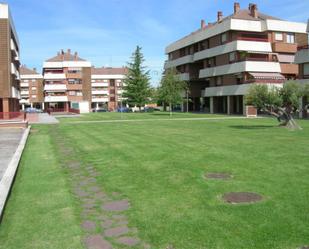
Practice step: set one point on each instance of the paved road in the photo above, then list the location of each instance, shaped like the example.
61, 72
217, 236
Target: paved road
9, 141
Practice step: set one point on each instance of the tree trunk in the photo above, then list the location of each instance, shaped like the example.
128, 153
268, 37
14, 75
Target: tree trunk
285, 118
171, 111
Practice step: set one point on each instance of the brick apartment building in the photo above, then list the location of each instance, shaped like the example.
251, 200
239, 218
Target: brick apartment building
9, 62
31, 88
222, 59
302, 59
67, 82
71, 82
107, 87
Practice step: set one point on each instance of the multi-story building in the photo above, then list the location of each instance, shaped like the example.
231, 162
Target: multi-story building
302, 59
222, 59
31, 88
9, 62
67, 82
107, 87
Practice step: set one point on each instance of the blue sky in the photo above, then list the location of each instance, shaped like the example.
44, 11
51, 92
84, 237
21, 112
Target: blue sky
107, 32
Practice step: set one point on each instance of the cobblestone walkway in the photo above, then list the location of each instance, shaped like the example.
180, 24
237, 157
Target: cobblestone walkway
103, 216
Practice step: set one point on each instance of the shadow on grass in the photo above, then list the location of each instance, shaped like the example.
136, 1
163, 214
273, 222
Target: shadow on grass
252, 127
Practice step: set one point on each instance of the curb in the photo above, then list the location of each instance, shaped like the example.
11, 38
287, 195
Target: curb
8, 178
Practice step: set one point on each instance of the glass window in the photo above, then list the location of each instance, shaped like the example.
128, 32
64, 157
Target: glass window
79, 93
33, 80
232, 56
290, 38
223, 38
306, 69
72, 93
33, 88
278, 36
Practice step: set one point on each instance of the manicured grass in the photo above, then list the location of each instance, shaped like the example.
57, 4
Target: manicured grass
159, 167
41, 209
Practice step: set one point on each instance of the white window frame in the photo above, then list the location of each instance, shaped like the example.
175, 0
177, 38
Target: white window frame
278, 36
290, 38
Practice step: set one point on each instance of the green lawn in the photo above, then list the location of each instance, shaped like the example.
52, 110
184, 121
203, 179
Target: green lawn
159, 167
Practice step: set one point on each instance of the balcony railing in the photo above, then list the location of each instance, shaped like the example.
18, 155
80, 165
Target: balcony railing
303, 47
252, 39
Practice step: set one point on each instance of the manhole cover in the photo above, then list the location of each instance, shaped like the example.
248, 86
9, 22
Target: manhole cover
242, 197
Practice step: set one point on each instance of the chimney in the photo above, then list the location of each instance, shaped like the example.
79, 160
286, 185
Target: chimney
62, 54
236, 7
203, 24
219, 16
34, 69
253, 10
69, 51
75, 55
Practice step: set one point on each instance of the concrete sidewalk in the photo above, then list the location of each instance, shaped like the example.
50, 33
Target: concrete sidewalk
44, 118
12, 144
9, 141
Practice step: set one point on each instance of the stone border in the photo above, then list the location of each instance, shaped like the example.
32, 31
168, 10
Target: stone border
8, 178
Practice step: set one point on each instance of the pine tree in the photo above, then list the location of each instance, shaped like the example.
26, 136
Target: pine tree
137, 87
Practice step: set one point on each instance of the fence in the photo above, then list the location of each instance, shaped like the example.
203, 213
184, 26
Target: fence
12, 116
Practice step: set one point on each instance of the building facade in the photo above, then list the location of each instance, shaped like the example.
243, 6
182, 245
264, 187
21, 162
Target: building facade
222, 59
302, 59
9, 62
31, 88
107, 87
67, 82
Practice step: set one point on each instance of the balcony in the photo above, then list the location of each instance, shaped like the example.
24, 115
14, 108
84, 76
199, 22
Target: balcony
180, 61
55, 87
14, 49
24, 92
100, 100
302, 56
184, 76
289, 68
264, 47
230, 90
54, 76
284, 47
24, 84
99, 84
62, 98
99, 92
238, 67
14, 71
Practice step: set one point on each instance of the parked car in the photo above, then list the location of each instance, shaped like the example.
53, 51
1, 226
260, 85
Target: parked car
33, 110
124, 109
99, 110
151, 109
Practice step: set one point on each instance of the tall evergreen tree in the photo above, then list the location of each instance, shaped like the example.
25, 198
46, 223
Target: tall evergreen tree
137, 87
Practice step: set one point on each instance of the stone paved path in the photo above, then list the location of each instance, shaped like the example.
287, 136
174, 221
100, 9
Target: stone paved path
103, 216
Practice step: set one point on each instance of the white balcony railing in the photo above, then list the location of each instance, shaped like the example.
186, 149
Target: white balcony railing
99, 100
180, 61
56, 99
54, 76
99, 84
244, 66
24, 92
15, 93
99, 92
14, 71
55, 87
24, 84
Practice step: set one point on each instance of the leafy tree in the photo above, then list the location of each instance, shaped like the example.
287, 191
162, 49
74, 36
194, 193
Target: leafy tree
171, 89
137, 88
279, 102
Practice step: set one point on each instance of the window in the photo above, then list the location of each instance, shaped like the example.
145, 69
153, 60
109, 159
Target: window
290, 38
33, 96
219, 80
72, 93
33, 80
278, 36
112, 99
223, 38
33, 88
79, 93
232, 56
306, 69
26, 81
93, 81
112, 83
